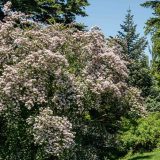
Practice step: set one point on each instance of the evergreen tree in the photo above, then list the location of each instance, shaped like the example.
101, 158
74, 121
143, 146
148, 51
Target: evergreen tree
153, 27
133, 47
50, 11
151, 4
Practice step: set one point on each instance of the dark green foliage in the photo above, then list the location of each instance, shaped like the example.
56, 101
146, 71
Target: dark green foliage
141, 77
151, 4
51, 11
153, 27
15, 143
153, 100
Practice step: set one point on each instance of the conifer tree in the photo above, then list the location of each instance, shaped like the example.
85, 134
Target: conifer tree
50, 11
133, 46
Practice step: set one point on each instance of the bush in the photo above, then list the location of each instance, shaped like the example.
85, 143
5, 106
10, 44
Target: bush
63, 92
141, 135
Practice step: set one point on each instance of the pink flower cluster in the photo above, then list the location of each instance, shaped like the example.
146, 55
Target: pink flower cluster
52, 132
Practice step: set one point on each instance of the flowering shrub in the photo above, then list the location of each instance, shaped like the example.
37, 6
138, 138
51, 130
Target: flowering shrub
52, 79
53, 132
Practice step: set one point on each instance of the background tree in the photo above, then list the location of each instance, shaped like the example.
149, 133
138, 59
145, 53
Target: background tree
136, 134
50, 11
153, 28
133, 47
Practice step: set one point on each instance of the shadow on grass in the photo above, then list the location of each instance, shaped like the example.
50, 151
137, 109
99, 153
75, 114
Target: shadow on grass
141, 157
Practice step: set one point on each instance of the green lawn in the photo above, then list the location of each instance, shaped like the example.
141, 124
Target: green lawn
145, 156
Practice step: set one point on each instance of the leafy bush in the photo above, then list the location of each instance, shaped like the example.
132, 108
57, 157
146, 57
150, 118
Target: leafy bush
141, 135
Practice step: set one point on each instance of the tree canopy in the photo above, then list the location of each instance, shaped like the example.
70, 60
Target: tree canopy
63, 92
71, 94
153, 27
133, 48
50, 11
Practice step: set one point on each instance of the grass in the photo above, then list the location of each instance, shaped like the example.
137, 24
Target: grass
155, 155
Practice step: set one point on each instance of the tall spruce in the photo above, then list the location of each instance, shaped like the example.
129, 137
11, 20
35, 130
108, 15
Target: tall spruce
133, 46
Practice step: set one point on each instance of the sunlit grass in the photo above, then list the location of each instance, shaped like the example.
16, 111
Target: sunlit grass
155, 155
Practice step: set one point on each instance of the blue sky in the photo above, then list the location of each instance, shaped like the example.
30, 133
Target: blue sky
109, 14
